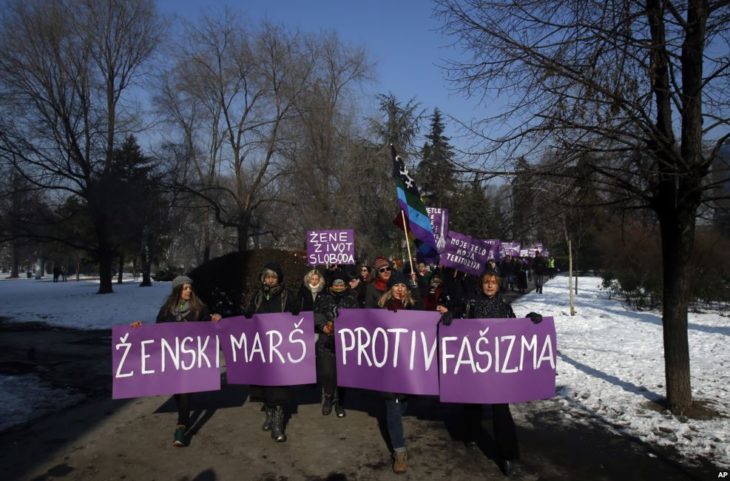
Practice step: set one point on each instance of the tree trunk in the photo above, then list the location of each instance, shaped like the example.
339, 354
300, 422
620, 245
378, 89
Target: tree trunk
106, 259
146, 262
243, 225
120, 274
15, 268
106, 256
206, 236
677, 232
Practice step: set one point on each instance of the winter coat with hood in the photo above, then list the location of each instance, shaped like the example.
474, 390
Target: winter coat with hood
310, 296
272, 299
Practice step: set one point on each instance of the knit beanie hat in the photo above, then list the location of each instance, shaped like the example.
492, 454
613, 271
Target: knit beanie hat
180, 280
380, 262
397, 278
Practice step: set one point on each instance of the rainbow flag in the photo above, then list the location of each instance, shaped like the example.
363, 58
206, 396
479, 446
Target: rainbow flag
417, 221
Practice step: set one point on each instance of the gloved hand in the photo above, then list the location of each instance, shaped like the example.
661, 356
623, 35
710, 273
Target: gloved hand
392, 307
446, 318
295, 311
247, 314
334, 312
534, 317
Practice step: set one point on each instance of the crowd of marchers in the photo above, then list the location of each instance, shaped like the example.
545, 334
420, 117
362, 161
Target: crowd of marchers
381, 284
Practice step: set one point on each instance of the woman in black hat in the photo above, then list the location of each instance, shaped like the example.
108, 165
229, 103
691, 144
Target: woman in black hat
402, 294
270, 297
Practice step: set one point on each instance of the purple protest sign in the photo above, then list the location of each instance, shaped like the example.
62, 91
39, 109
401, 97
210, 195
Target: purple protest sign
509, 249
488, 361
387, 351
464, 254
330, 247
269, 349
440, 223
164, 359
493, 248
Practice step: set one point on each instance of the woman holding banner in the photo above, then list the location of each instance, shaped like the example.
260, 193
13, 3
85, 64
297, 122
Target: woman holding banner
488, 304
401, 294
271, 297
339, 295
182, 305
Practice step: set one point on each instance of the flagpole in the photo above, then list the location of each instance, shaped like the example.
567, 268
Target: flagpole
408, 244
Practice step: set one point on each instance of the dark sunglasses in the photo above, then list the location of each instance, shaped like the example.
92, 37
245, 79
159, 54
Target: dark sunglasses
384, 269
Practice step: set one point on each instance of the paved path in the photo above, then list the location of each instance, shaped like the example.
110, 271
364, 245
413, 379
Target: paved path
102, 439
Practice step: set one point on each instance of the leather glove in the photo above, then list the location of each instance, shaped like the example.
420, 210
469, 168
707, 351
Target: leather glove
446, 318
295, 311
247, 314
392, 308
534, 317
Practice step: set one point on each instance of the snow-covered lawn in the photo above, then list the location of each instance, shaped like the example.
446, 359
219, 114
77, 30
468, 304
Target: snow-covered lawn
611, 363
610, 359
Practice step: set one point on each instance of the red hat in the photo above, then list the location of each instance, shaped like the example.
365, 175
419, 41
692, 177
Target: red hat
380, 262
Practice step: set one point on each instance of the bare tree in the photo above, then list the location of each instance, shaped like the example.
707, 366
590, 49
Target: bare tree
64, 71
639, 85
321, 139
243, 85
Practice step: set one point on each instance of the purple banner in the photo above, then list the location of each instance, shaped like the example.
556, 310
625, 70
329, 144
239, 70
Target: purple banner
387, 351
532, 251
440, 223
326, 247
464, 253
487, 361
269, 349
164, 359
509, 249
493, 248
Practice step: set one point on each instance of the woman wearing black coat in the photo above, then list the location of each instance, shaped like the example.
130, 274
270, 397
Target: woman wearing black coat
488, 304
272, 297
337, 296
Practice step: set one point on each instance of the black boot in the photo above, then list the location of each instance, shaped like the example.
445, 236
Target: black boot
277, 425
269, 418
339, 410
326, 404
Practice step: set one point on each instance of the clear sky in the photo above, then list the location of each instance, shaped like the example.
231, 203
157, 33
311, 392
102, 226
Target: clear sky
401, 38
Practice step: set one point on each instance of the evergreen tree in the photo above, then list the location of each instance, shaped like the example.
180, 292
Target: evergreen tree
472, 214
139, 211
435, 172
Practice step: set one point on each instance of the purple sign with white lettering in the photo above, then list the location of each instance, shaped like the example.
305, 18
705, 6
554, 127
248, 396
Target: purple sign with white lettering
465, 253
325, 247
492, 246
487, 361
164, 359
509, 249
387, 351
269, 349
440, 224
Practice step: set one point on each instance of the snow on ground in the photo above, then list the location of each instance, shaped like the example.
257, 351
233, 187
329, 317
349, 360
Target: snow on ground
76, 303
26, 397
611, 364
610, 358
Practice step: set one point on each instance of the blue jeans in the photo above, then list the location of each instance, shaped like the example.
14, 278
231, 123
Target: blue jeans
394, 410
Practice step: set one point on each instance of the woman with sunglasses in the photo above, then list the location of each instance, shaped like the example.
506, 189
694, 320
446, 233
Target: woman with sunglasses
402, 294
379, 286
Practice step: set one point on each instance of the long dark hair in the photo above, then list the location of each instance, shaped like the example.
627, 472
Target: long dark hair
172, 301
